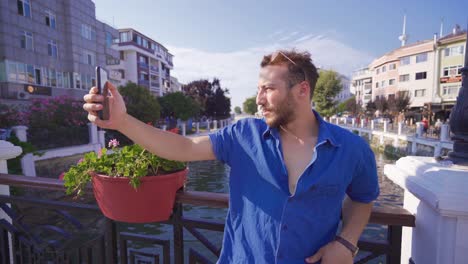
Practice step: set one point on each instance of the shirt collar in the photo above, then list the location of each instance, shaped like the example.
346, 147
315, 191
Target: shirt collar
325, 133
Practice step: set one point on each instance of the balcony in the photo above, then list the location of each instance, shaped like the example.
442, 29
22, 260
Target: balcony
112, 61
154, 84
101, 240
143, 65
154, 69
143, 83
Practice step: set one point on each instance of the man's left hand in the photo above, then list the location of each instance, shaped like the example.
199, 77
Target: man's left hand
332, 253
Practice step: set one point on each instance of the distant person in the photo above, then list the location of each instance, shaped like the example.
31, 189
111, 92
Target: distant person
425, 124
290, 171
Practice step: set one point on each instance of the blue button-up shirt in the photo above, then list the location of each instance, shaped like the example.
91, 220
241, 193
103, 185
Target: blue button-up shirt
265, 223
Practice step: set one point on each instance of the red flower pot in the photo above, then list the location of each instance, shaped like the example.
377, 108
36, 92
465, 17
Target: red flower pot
152, 201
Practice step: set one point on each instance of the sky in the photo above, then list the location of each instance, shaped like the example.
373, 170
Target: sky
227, 39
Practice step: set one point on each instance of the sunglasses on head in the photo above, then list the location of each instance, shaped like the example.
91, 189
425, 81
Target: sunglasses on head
278, 53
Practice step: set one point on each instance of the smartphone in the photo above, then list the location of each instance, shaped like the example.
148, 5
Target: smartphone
101, 79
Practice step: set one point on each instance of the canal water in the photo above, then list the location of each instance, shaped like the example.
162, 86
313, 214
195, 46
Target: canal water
212, 176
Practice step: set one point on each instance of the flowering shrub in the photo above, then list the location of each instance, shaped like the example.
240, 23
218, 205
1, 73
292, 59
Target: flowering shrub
60, 111
132, 162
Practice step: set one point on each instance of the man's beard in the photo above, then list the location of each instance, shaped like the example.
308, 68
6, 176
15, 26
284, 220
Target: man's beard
281, 114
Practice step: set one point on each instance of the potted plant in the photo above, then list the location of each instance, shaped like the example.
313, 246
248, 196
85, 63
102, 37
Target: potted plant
130, 184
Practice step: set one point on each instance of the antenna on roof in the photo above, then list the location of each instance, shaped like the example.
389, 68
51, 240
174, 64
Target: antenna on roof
441, 34
403, 37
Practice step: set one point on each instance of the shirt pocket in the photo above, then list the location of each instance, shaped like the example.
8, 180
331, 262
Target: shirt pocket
324, 200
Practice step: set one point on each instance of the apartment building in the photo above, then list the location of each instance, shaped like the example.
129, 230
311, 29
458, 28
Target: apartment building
361, 86
144, 61
51, 48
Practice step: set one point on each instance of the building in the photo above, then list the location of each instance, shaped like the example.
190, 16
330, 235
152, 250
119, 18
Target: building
51, 48
143, 61
345, 93
361, 86
175, 86
450, 58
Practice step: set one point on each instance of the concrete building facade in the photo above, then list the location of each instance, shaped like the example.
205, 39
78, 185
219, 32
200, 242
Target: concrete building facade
143, 61
51, 48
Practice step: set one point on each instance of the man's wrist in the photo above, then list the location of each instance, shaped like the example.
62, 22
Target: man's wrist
347, 244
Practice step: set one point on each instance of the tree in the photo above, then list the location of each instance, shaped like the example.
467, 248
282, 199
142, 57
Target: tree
327, 88
178, 105
237, 110
250, 105
218, 105
381, 103
349, 105
210, 96
140, 102
400, 103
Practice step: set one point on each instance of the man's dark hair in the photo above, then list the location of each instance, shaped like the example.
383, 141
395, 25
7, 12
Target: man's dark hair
302, 65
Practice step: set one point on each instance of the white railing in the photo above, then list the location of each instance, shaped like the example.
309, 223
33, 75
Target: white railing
400, 132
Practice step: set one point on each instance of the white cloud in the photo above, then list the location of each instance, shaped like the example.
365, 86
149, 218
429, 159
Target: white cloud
238, 71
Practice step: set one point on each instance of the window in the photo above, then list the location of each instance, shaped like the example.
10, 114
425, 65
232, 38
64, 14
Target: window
145, 43
392, 66
405, 60
421, 75
454, 51
391, 82
376, 85
451, 90
419, 93
11, 71
404, 78
77, 79
109, 39
88, 58
421, 57
21, 72
30, 72
59, 79
383, 83
52, 48
122, 72
52, 78
26, 40
378, 70
452, 71
2, 72
66, 80
88, 32
391, 96
122, 55
50, 18
24, 8
384, 68
124, 36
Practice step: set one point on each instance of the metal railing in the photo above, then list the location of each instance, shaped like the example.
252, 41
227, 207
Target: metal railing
107, 244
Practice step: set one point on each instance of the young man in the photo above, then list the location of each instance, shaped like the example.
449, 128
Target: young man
289, 172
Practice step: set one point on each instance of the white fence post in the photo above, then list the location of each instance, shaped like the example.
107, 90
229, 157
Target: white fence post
353, 122
20, 132
400, 128
184, 128
419, 129
197, 124
372, 124
362, 123
102, 138
215, 124
28, 165
7, 151
385, 126
93, 135
208, 125
164, 127
444, 132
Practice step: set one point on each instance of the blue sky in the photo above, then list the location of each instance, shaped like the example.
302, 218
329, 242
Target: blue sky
227, 39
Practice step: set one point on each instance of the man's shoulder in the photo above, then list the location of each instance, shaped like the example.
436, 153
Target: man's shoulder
250, 124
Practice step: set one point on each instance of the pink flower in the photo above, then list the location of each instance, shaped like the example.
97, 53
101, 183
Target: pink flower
113, 143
